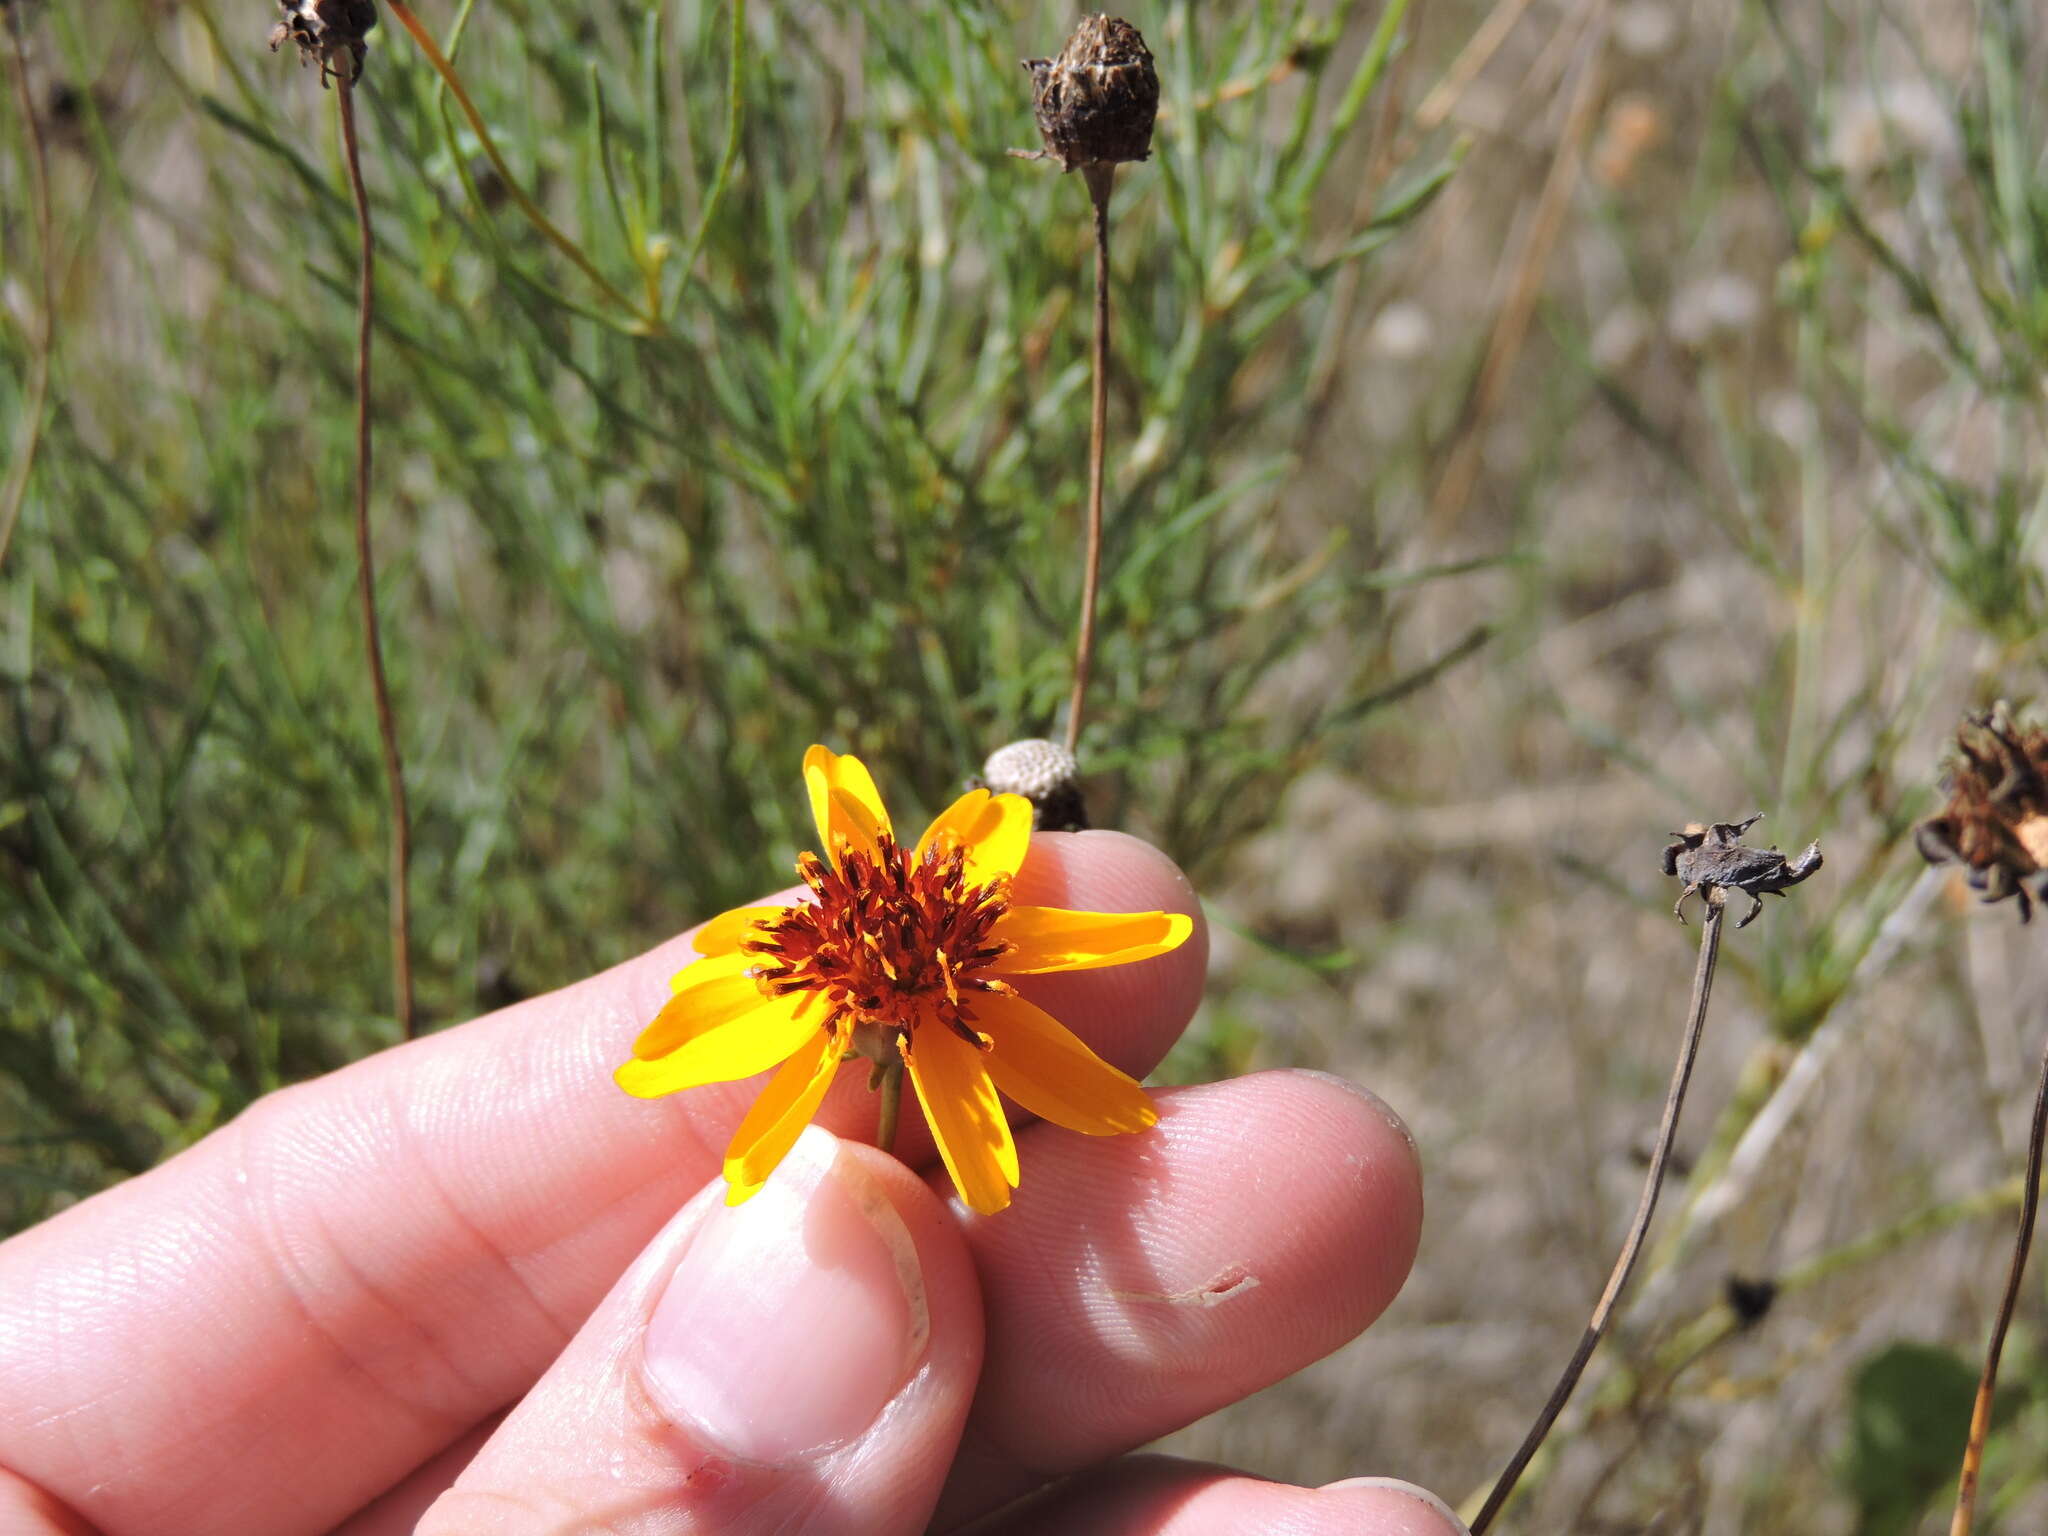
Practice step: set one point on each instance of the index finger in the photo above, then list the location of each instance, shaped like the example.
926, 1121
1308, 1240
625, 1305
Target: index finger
279, 1323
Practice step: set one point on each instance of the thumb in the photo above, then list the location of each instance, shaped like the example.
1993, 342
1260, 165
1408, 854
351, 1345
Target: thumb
800, 1362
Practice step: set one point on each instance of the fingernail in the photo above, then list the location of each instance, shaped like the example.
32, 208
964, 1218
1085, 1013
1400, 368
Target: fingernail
1422, 1496
793, 1319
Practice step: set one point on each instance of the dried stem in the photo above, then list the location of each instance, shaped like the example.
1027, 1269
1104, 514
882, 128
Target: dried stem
892, 1105
1477, 53
2023, 1240
1101, 181
366, 570
15, 490
1632, 1246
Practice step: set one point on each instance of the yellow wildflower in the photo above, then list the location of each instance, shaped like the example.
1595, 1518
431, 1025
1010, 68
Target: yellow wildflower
900, 955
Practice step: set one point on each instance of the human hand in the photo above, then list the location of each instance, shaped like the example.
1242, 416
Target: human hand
468, 1285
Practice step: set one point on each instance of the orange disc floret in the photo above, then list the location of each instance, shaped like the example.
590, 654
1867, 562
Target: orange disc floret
888, 939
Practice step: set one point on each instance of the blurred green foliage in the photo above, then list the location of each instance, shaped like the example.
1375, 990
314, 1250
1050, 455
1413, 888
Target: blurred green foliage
1909, 1416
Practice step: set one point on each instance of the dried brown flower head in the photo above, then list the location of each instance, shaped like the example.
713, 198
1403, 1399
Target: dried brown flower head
1715, 857
327, 31
1996, 821
1096, 101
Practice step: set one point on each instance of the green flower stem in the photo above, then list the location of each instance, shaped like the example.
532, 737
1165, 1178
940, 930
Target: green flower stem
891, 1107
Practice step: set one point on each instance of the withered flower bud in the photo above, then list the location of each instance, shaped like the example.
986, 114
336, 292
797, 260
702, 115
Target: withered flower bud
1096, 101
327, 31
1044, 773
1709, 858
1996, 821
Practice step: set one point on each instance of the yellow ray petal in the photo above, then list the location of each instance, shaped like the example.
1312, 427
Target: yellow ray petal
739, 1047
994, 829
818, 782
708, 968
966, 1117
1047, 1069
852, 821
708, 993
779, 1116
1053, 939
722, 935
827, 774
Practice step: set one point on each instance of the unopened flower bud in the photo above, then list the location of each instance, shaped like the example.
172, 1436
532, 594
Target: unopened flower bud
1044, 773
1096, 101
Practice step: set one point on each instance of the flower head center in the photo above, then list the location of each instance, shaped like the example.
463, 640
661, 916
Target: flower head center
891, 939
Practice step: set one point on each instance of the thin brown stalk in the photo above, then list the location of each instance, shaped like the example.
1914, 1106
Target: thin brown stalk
2023, 1240
15, 491
1101, 179
1632, 1246
366, 570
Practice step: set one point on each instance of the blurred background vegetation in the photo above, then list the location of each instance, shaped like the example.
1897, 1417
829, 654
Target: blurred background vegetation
1536, 424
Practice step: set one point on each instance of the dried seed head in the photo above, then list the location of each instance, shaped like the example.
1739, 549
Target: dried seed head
1096, 101
1709, 858
1996, 821
1044, 773
327, 32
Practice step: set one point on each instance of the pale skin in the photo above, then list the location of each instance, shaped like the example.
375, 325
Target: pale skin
438, 1291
